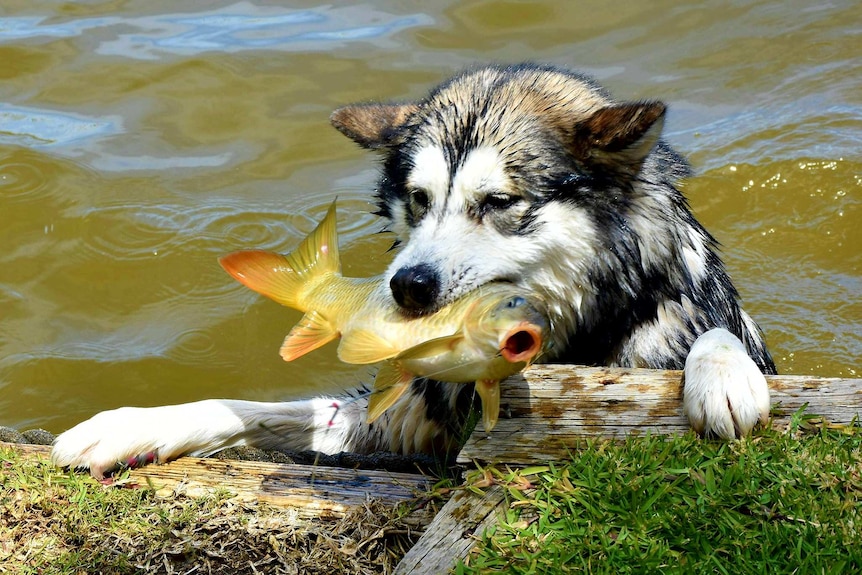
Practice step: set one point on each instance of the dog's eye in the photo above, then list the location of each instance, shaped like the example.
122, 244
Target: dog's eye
500, 201
419, 202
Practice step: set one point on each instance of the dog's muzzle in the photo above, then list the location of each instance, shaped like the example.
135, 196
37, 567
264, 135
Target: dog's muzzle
415, 288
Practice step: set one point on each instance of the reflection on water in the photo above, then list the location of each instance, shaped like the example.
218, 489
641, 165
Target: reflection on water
140, 141
739, 138
32, 127
234, 28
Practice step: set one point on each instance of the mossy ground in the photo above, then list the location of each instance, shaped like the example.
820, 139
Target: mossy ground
54, 521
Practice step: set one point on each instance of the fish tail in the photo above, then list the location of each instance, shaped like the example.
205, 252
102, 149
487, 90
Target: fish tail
282, 278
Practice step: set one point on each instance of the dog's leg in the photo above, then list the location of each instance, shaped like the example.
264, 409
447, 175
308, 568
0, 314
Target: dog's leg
725, 394
132, 436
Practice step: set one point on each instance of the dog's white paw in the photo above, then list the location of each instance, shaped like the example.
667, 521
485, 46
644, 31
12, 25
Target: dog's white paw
133, 436
108, 440
725, 394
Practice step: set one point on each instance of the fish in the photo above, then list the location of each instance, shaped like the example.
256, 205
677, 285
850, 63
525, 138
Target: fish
482, 337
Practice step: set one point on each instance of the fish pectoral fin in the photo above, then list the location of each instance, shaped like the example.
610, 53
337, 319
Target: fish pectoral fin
489, 393
364, 346
390, 384
312, 331
431, 347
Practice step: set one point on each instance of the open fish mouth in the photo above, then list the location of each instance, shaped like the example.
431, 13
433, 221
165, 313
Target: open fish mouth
522, 343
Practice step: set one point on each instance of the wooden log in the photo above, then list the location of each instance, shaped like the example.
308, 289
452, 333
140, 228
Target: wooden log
310, 492
548, 408
453, 532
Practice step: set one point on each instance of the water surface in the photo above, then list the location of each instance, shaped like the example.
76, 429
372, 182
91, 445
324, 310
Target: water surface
141, 140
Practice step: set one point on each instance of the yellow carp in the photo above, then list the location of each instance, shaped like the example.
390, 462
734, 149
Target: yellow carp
487, 335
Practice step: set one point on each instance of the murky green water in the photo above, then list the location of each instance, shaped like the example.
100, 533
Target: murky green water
141, 140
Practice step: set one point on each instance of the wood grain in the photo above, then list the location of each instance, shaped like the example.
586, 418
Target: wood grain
548, 408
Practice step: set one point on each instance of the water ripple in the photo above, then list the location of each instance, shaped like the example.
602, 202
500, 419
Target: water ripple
20, 180
238, 27
140, 232
195, 346
37, 127
109, 162
807, 127
192, 347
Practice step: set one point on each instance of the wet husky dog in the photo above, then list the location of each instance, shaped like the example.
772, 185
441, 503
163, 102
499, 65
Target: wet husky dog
524, 174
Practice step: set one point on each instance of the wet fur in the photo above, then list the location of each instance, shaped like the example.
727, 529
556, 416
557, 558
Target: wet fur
526, 174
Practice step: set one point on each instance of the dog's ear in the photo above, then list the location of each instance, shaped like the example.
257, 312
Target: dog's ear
371, 126
619, 136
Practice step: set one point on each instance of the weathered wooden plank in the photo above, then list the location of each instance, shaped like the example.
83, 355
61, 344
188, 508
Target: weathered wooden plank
307, 491
453, 532
548, 408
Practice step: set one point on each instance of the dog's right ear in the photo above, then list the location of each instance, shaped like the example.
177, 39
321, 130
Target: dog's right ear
620, 136
372, 126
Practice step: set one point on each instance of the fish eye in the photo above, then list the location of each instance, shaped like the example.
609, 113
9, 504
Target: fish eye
516, 301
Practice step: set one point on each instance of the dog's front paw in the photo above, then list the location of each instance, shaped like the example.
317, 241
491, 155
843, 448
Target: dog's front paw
124, 437
725, 394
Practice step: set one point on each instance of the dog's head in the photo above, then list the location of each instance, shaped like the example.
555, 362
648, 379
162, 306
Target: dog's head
503, 174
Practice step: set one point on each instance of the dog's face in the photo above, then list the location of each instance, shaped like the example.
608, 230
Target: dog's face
503, 174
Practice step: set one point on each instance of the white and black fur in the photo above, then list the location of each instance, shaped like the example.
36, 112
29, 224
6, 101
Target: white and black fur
526, 174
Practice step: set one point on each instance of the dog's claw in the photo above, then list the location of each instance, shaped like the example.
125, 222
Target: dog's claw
141, 460
132, 462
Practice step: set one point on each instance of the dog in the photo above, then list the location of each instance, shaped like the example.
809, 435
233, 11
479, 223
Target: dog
527, 174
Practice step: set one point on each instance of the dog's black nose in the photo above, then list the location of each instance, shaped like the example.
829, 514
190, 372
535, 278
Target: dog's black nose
415, 288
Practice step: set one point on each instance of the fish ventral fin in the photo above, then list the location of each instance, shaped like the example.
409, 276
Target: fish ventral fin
281, 277
390, 384
364, 346
431, 347
489, 393
312, 331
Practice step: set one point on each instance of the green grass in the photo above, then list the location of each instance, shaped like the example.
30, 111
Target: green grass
780, 502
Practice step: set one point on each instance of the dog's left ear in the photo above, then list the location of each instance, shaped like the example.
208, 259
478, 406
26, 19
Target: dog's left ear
372, 126
620, 136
